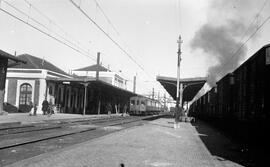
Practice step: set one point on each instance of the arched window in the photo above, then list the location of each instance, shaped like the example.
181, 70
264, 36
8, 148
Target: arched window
25, 94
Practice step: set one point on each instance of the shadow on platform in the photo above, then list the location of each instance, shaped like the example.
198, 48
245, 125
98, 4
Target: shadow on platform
222, 146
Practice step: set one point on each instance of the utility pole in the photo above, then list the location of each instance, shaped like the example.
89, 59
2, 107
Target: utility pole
179, 87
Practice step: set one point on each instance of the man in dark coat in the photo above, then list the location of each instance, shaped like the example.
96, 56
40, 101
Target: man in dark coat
45, 106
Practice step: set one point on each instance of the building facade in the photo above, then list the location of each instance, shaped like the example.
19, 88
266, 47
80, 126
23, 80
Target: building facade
113, 78
30, 82
38, 80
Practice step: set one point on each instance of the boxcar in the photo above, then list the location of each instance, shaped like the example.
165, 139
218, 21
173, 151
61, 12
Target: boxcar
239, 101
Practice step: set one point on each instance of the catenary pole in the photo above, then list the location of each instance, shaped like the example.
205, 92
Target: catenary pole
179, 52
179, 86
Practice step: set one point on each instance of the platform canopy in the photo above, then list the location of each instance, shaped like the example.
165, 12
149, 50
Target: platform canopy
191, 86
95, 84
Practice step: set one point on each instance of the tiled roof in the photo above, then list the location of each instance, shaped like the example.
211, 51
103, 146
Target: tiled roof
37, 63
94, 67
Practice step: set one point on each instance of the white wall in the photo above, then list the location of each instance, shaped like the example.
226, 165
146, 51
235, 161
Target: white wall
108, 77
42, 93
6, 90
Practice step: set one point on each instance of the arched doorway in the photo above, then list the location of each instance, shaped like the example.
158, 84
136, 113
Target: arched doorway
25, 97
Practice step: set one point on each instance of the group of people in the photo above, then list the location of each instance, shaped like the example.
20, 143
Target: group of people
47, 108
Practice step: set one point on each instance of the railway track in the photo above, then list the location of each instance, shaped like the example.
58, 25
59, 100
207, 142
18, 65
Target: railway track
31, 140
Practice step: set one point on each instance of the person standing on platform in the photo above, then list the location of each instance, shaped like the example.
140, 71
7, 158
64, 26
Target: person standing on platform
109, 109
45, 105
31, 112
177, 115
35, 109
125, 110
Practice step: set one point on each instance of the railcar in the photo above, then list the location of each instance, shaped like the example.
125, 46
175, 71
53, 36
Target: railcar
140, 105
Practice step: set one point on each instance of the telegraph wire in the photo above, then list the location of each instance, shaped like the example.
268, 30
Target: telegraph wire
110, 22
255, 18
45, 33
59, 27
251, 36
106, 34
28, 17
107, 18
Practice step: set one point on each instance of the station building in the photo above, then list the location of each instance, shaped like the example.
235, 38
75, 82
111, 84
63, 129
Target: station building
6, 60
39, 79
105, 75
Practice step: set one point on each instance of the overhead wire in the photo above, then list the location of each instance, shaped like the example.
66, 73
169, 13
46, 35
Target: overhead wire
109, 21
40, 30
107, 18
56, 25
242, 44
255, 18
53, 23
108, 36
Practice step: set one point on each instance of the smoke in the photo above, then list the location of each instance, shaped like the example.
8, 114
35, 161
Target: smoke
220, 44
220, 37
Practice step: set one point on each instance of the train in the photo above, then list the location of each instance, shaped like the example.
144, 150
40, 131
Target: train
141, 105
238, 102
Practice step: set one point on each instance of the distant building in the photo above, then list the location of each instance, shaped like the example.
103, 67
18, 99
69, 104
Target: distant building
105, 75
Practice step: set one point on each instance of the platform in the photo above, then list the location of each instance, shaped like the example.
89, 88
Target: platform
153, 144
13, 119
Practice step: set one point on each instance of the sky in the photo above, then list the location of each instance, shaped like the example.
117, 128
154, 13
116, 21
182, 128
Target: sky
147, 30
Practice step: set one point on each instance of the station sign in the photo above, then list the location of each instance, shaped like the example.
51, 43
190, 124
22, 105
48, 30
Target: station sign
66, 83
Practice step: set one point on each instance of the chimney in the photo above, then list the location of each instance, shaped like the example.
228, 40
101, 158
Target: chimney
134, 84
153, 93
97, 72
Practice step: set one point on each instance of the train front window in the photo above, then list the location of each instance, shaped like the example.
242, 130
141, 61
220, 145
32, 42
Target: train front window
132, 102
142, 103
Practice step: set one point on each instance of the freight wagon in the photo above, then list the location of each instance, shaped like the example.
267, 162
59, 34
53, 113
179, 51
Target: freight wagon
239, 100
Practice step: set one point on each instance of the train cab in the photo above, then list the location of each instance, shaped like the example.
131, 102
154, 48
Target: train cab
140, 105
